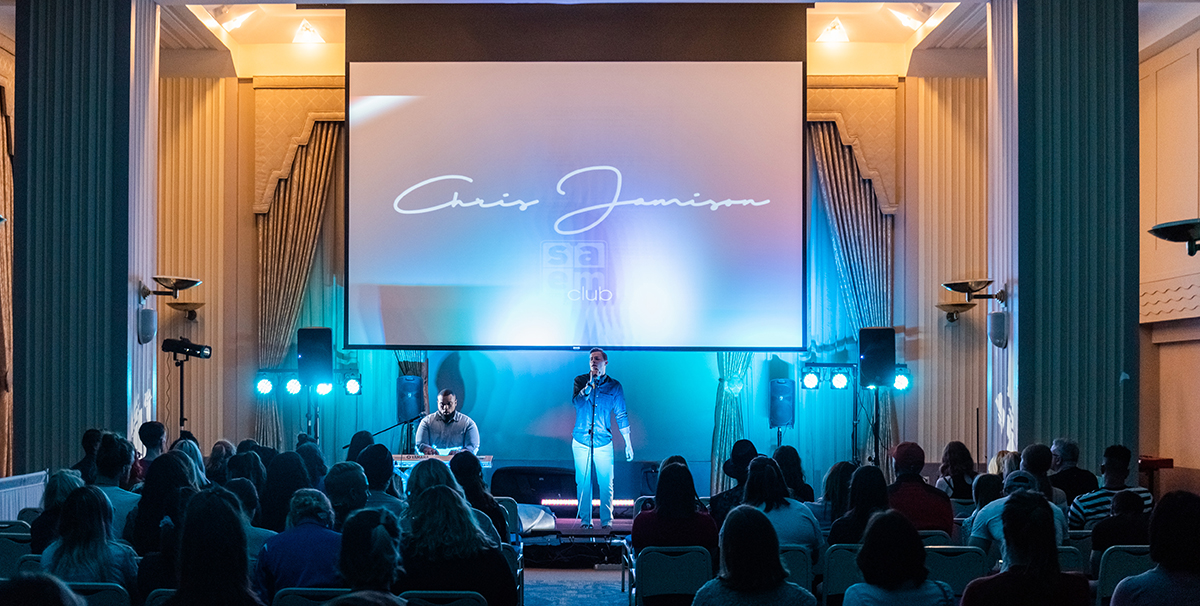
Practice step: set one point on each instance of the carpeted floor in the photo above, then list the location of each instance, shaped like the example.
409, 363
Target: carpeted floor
546, 587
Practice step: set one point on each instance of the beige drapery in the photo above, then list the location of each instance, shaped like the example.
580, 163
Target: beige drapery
727, 426
6, 298
862, 244
287, 239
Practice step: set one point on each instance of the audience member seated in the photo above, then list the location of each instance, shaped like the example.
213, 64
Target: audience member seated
1036, 459
672, 459
987, 488
306, 553
87, 465
370, 556
265, 453
735, 467
468, 472
793, 474
346, 487
154, 438
833, 502
85, 551
38, 589
359, 442
1126, 525
247, 508
248, 465
868, 495
1033, 577
376, 461
956, 476
677, 519
192, 450
794, 523
1087, 509
892, 560
44, 528
925, 506
1004, 463
160, 504
752, 573
432, 472
213, 567
114, 459
447, 551
285, 476
314, 462
988, 527
1175, 547
1067, 475
216, 468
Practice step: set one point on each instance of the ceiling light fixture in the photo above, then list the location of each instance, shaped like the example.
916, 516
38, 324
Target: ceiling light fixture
307, 34
232, 17
834, 32
908, 22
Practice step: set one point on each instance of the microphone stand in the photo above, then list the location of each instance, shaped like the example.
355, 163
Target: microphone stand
592, 447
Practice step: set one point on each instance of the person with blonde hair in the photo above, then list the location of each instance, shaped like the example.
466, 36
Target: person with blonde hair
303, 555
1004, 463
44, 528
189, 448
432, 472
446, 550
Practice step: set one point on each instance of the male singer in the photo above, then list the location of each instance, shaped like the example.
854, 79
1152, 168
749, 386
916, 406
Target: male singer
447, 428
596, 396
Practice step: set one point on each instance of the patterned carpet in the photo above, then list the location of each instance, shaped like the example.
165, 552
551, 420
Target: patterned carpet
544, 587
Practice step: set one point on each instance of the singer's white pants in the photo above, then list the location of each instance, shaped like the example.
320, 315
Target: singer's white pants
602, 460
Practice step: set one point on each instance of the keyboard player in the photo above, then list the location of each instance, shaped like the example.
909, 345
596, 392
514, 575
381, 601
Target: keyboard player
447, 431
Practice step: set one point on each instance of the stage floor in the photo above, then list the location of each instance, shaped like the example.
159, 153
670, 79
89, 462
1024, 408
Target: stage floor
570, 527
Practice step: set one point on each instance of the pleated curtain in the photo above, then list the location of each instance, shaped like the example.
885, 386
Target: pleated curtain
6, 296
287, 238
727, 425
862, 246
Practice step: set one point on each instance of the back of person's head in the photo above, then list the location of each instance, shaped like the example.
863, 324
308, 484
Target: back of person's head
248, 465
1020, 480
468, 472
986, 488
152, 434
740, 455
673, 459
370, 556
38, 589
359, 441
868, 492
377, 463
91, 441
247, 445
426, 474
165, 477
303, 438
217, 465
791, 467
956, 460
192, 451
309, 505
750, 559
1117, 459
84, 528
1175, 532
59, 485
1127, 501
908, 457
213, 564
1004, 463
1029, 532
222, 450
313, 461
346, 486
114, 457
286, 474
189, 436
246, 493
764, 484
443, 527
1066, 450
1036, 459
675, 496
892, 554
837, 487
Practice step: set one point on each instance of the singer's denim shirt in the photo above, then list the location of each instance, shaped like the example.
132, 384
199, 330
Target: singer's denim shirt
609, 397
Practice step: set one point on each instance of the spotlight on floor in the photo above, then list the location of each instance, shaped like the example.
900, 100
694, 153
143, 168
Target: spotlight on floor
293, 386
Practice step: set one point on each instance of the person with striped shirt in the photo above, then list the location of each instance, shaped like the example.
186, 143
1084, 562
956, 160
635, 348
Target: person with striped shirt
1087, 509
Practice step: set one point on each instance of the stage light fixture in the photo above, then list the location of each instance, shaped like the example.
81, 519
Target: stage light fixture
811, 379
185, 347
353, 384
293, 386
264, 385
323, 389
902, 380
840, 380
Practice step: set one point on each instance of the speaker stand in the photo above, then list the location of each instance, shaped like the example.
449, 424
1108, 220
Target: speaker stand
875, 427
778, 437
313, 415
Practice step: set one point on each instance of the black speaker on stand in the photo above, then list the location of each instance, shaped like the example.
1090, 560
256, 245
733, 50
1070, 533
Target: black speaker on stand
876, 368
783, 407
314, 347
410, 400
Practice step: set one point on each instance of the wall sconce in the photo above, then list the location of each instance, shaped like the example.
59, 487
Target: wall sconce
172, 284
953, 309
187, 307
971, 288
1187, 230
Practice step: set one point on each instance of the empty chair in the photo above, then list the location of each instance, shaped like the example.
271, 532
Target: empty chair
11, 550
158, 597
517, 563
955, 566
799, 564
14, 528
1081, 540
670, 571
305, 596
841, 570
1069, 559
511, 517
101, 594
443, 598
29, 564
1118, 562
935, 537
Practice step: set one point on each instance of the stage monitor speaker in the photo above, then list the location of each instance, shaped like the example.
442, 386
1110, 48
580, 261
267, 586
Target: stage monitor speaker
877, 356
783, 403
315, 348
410, 397
530, 485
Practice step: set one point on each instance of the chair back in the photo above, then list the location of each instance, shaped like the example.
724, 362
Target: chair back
841, 569
1081, 540
955, 566
672, 571
963, 508
799, 564
14, 528
935, 537
29, 514
640, 502
704, 501
101, 594
1118, 562
30, 564
444, 598
11, 550
511, 517
306, 596
1069, 559
158, 597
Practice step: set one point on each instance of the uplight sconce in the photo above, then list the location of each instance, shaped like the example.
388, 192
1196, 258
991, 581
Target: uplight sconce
1187, 230
834, 32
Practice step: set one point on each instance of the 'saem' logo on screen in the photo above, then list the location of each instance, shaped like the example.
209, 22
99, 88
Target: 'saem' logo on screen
576, 269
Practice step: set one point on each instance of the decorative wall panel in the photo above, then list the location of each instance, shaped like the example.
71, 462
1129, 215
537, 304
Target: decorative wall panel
865, 110
281, 107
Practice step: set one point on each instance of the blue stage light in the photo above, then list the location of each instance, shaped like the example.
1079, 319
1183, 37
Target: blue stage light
811, 379
293, 386
353, 383
264, 385
902, 381
323, 389
839, 380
